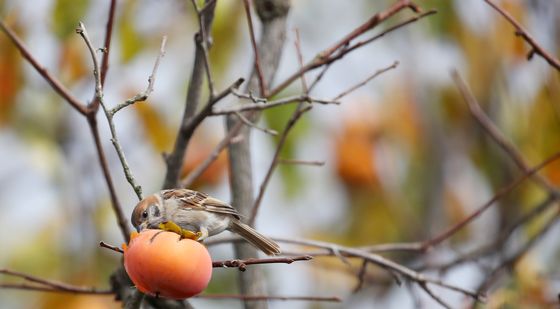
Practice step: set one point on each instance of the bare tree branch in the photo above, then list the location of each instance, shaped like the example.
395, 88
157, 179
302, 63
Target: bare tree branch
94, 106
262, 104
520, 31
270, 297
339, 251
110, 113
47, 285
201, 168
242, 264
258, 70
175, 159
55, 84
283, 137
339, 49
367, 80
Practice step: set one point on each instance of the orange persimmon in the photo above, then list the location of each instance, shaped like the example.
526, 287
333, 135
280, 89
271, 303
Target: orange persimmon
166, 266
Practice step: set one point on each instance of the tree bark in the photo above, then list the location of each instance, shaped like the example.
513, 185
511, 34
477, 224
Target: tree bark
273, 15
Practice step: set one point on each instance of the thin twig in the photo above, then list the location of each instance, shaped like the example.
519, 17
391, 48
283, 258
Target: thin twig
57, 286
94, 106
434, 296
319, 76
520, 31
361, 276
299, 54
260, 75
99, 94
143, 96
326, 56
110, 247
527, 171
301, 108
490, 128
204, 37
174, 161
272, 104
242, 264
107, 42
502, 192
247, 122
351, 48
291, 122
42, 288
301, 162
122, 221
187, 129
270, 297
81, 30
55, 84
201, 168
498, 243
367, 80
335, 250
510, 262
251, 97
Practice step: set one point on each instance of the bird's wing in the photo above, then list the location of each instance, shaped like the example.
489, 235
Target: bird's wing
200, 201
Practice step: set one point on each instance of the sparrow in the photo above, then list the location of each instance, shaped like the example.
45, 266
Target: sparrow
195, 215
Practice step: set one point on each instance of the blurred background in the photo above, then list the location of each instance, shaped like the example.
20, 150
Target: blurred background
403, 157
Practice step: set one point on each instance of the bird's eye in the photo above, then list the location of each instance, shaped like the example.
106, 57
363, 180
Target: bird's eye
144, 214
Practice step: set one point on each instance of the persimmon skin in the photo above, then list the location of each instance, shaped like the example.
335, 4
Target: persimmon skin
165, 266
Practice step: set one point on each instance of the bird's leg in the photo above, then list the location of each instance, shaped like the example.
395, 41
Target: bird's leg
171, 226
202, 234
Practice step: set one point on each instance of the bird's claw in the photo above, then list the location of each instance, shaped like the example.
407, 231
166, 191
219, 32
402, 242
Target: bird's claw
171, 226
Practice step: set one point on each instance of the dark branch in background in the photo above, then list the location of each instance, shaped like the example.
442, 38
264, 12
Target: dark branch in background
510, 150
341, 48
520, 31
508, 264
258, 70
367, 80
174, 160
493, 131
55, 84
204, 36
502, 192
94, 106
490, 249
346, 50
